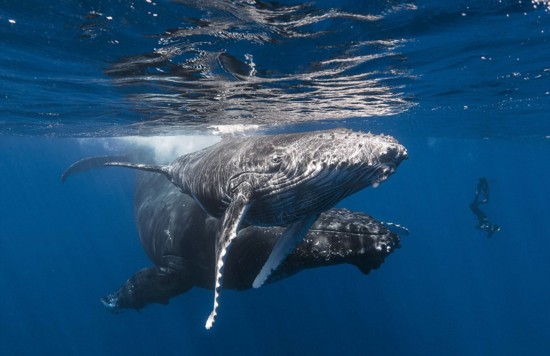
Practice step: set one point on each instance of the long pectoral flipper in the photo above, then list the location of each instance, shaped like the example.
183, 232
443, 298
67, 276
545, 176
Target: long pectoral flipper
230, 225
293, 234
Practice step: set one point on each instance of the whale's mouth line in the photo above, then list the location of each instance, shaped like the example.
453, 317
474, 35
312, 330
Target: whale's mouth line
321, 177
373, 175
351, 234
278, 184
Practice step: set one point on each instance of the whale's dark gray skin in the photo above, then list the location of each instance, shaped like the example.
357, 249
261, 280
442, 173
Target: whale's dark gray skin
276, 180
178, 236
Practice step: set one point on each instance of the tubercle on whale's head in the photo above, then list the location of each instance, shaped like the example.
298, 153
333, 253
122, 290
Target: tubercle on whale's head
343, 236
338, 156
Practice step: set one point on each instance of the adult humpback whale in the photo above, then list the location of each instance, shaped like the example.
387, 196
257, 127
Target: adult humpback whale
179, 238
286, 179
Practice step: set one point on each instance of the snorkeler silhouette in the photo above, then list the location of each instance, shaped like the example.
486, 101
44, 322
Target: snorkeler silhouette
482, 197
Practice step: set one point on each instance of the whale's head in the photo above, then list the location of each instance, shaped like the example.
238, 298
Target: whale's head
344, 236
330, 165
339, 236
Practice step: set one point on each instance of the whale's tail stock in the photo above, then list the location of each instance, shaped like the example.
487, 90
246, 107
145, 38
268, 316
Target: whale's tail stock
90, 163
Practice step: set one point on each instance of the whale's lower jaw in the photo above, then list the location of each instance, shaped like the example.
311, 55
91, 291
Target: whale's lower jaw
317, 194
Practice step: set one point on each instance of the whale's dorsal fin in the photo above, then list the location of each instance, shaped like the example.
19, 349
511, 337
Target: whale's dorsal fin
89, 163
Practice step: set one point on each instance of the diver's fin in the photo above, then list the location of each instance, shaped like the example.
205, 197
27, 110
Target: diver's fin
232, 219
87, 164
293, 234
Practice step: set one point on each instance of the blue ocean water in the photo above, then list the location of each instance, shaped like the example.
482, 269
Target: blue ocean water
464, 85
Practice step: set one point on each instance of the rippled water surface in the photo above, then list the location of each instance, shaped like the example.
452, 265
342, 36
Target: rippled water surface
94, 68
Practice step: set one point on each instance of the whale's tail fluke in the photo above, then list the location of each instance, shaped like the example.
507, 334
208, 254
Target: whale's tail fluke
87, 164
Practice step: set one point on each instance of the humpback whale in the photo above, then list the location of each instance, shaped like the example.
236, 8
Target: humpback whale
275, 180
179, 238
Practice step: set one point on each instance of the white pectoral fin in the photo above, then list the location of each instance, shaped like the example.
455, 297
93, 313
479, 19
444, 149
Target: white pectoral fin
230, 224
293, 234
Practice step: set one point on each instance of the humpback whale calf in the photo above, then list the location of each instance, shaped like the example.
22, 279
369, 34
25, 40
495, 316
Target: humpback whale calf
275, 180
179, 238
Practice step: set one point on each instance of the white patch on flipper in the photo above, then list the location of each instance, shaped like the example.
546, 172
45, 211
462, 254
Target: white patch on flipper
219, 278
232, 234
293, 234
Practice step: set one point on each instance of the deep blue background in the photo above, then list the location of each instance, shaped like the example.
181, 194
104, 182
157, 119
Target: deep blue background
448, 290
478, 80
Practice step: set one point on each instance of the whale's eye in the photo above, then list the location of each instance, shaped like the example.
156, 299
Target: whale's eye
276, 158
